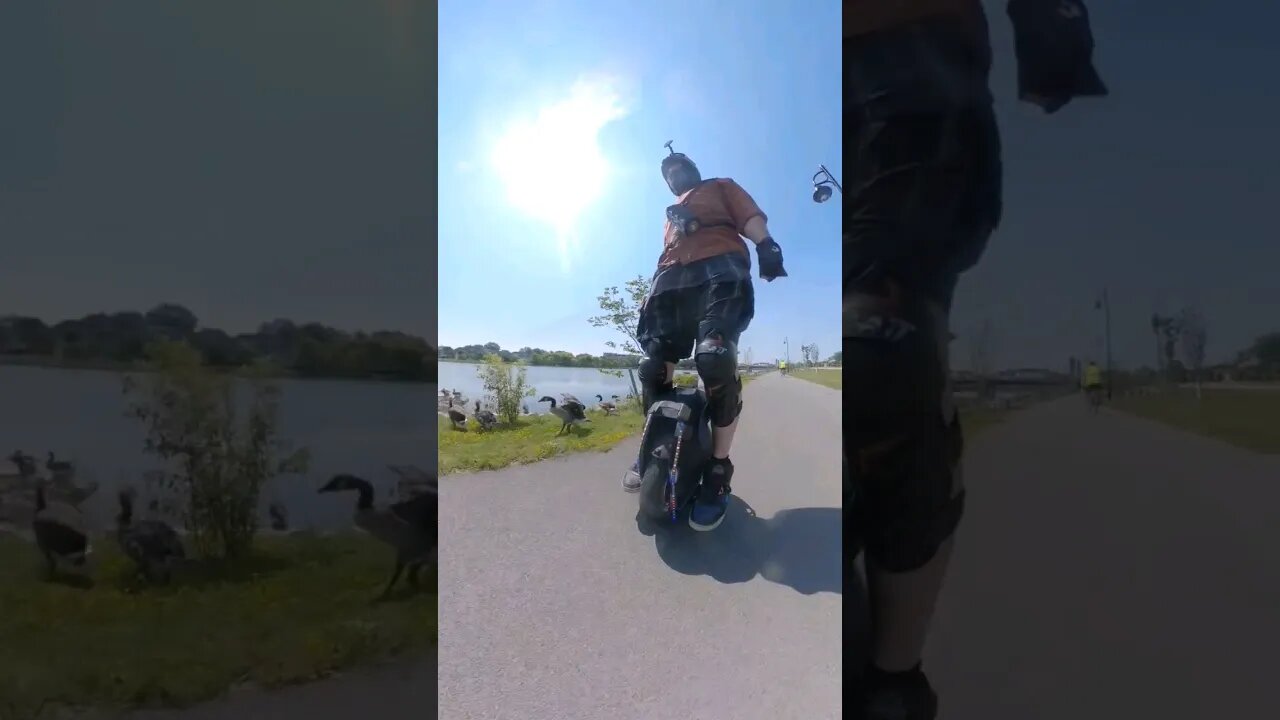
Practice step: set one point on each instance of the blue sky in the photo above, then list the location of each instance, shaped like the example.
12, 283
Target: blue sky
1164, 192
749, 90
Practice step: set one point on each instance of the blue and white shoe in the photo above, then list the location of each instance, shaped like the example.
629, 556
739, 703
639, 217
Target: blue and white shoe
631, 479
712, 501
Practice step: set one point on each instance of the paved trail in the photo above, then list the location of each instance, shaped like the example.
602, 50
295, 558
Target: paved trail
558, 607
1110, 567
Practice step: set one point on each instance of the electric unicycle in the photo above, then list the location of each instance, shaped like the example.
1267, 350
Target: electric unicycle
674, 448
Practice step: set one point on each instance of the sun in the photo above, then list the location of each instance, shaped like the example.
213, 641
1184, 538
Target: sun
550, 164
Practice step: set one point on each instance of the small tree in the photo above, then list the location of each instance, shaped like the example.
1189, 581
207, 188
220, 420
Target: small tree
218, 462
506, 383
621, 313
1193, 339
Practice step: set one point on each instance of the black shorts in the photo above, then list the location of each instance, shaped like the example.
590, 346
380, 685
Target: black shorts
676, 320
924, 196
925, 188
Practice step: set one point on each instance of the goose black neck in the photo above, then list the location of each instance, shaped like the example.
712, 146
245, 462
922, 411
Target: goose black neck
365, 501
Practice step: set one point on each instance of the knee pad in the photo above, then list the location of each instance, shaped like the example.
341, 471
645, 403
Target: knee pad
717, 364
653, 377
905, 526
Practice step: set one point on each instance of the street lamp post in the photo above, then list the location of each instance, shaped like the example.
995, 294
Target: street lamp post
822, 188
1105, 305
786, 344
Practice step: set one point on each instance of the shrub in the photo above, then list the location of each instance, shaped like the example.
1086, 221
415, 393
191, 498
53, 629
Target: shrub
506, 384
218, 462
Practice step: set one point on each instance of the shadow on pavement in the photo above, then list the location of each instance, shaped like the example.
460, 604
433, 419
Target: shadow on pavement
799, 548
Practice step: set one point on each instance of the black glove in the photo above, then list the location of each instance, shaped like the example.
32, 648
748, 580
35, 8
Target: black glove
769, 255
1054, 45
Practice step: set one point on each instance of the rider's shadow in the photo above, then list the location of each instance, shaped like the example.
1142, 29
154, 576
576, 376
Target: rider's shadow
799, 548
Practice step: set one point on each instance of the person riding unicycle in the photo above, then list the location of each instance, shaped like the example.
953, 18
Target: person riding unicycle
1092, 383
699, 303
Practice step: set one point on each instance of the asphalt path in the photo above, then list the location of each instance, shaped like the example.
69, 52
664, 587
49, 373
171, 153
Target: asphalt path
554, 604
1111, 567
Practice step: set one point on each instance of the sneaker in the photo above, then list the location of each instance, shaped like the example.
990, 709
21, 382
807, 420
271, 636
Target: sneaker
909, 699
713, 496
631, 479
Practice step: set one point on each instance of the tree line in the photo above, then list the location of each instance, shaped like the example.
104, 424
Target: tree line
538, 356
281, 346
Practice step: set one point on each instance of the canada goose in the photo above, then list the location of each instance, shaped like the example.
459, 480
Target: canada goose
457, 417
409, 526
608, 407
152, 544
486, 418
279, 516
25, 463
56, 466
60, 533
570, 413
413, 480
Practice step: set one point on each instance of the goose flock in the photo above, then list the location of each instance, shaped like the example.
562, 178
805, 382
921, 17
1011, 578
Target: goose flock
571, 411
155, 548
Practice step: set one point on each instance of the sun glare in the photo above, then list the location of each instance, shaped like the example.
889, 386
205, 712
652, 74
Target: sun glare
551, 165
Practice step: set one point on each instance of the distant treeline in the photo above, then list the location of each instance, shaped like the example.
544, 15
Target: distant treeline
305, 350
538, 356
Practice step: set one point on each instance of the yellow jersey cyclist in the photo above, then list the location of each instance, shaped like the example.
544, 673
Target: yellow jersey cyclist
1093, 387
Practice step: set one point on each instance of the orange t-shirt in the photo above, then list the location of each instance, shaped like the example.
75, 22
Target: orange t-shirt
715, 201
867, 16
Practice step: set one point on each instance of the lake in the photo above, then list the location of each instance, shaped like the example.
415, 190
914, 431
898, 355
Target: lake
582, 383
350, 427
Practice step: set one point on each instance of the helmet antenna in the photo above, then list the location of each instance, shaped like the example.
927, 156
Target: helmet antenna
667, 145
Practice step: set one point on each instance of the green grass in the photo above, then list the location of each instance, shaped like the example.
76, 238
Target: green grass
833, 378
1245, 418
530, 439
533, 437
298, 609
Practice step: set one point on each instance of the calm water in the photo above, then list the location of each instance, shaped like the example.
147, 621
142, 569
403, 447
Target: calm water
351, 427
582, 383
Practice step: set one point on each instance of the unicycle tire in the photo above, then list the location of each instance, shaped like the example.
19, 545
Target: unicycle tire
653, 492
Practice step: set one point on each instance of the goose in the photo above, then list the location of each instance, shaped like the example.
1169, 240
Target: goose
56, 466
25, 463
608, 407
409, 526
413, 480
485, 418
279, 516
60, 533
152, 545
570, 413
457, 417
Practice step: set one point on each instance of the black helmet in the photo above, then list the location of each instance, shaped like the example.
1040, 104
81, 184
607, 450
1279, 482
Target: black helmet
683, 181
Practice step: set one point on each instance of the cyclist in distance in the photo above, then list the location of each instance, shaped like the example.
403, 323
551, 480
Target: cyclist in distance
1092, 382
